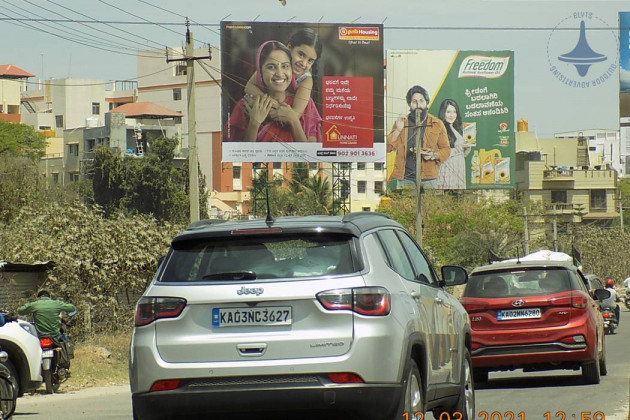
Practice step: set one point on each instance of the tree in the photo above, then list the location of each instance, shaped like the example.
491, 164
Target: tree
21, 140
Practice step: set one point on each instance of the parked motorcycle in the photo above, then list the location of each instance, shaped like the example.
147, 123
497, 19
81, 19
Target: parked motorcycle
56, 357
8, 390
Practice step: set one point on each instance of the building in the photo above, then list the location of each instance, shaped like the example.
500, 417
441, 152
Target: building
604, 147
12, 82
559, 173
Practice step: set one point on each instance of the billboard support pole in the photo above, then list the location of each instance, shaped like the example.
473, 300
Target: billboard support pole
193, 161
418, 180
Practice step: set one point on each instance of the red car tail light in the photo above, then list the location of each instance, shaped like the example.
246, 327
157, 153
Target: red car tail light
473, 305
579, 300
370, 301
345, 378
165, 385
150, 309
46, 342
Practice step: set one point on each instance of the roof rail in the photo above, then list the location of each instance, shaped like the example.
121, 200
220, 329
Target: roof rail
360, 214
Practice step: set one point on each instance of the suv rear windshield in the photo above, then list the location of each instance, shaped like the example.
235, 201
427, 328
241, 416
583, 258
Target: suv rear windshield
259, 257
532, 282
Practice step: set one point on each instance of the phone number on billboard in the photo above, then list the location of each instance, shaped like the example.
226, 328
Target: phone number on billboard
354, 153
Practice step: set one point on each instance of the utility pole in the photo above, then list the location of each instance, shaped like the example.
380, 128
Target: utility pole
620, 212
193, 159
525, 232
418, 179
555, 229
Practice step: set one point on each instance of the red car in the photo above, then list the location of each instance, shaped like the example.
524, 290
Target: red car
534, 315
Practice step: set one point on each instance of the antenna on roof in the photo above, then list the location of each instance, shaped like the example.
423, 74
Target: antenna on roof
518, 255
268, 219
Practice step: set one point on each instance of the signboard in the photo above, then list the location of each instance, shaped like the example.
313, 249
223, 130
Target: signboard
343, 120
477, 87
624, 64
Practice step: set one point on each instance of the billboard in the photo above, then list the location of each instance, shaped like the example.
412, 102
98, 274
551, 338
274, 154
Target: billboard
320, 99
468, 127
624, 64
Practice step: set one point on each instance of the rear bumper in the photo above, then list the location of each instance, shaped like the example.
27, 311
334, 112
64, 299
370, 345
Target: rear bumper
193, 401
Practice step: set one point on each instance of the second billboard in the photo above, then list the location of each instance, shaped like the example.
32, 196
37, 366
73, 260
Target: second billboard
461, 104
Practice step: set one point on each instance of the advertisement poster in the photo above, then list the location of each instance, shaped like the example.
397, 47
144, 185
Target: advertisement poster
316, 94
624, 64
467, 128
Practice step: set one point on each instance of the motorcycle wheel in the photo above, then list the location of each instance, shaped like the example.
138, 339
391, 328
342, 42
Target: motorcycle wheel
51, 382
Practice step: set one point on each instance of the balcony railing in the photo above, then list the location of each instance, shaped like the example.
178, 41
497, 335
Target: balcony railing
560, 174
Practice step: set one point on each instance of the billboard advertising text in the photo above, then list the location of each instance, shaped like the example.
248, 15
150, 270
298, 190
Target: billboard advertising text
460, 106
296, 92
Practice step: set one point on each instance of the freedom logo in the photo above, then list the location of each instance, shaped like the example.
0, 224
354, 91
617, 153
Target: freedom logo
579, 51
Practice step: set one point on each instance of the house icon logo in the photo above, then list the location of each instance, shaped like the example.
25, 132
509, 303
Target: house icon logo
333, 134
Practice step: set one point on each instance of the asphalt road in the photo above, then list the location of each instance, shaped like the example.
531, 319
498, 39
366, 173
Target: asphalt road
553, 395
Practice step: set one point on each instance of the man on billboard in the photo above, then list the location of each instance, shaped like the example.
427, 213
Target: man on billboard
402, 139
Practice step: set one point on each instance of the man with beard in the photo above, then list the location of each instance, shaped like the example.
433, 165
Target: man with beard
402, 139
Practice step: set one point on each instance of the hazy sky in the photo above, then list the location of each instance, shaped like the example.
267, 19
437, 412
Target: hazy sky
549, 92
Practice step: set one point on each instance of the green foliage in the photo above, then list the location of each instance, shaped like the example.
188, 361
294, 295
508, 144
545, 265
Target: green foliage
304, 195
102, 264
21, 140
459, 229
147, 185
20, 184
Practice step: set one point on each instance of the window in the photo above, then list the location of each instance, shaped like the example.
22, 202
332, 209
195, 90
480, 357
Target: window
366, 209
361, 187
378, 187
313, 166
559, 196
91, 143
396, 253
177, 94
598, 200
423, 270
73, 149
361, 166
55, 178
277, 165
74, 177
96, 108
180, 70
378, 166
59, 121
236, 172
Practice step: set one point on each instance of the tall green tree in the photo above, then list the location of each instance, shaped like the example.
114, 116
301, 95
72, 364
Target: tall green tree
21, 140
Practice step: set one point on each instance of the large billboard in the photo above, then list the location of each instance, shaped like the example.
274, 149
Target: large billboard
467, 129
624, 64
315, 95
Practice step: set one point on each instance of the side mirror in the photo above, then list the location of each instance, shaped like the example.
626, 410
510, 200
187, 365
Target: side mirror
454, 275
602, 294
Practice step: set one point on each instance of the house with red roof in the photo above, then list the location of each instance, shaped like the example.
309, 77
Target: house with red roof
12, 82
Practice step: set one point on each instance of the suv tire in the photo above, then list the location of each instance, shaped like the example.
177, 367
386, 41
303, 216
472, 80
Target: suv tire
590, 370
465, 404
413, 396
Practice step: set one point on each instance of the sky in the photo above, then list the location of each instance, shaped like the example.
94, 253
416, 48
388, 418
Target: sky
99, 39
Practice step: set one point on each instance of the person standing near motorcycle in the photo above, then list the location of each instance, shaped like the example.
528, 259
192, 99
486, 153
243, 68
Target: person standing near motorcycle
45, 312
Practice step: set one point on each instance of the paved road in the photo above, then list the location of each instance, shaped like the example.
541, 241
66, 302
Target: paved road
554, 395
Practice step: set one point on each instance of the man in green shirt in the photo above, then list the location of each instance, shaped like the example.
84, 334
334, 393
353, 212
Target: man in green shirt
45, 313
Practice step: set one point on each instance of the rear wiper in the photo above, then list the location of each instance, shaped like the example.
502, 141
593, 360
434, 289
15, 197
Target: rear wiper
232, 275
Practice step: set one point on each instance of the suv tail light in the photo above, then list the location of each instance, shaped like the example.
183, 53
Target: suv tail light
579, 300
370, 301
150, 309
345, 378
473, 305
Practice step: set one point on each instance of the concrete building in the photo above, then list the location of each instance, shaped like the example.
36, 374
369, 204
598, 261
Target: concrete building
604, 146
12, 83
559, 173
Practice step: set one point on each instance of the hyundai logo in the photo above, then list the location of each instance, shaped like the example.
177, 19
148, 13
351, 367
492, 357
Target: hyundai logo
518, 303
250, 291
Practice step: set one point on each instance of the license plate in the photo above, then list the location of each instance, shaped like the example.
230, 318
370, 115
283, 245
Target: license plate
48, 353
237, 317
508, 314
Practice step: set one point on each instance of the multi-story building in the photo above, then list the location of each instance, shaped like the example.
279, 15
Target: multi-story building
558, 172
604, 147
12, 82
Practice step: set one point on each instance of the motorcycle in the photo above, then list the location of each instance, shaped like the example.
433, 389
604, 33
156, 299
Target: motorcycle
626, 299
610, 320
8, 390
56, 356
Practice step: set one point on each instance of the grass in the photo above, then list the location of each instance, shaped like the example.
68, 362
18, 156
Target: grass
99, 361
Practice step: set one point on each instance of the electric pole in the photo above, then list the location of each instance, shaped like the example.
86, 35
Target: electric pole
418, 179
193, 159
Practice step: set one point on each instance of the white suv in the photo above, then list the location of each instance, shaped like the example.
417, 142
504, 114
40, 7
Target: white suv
315, 316
19, 339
